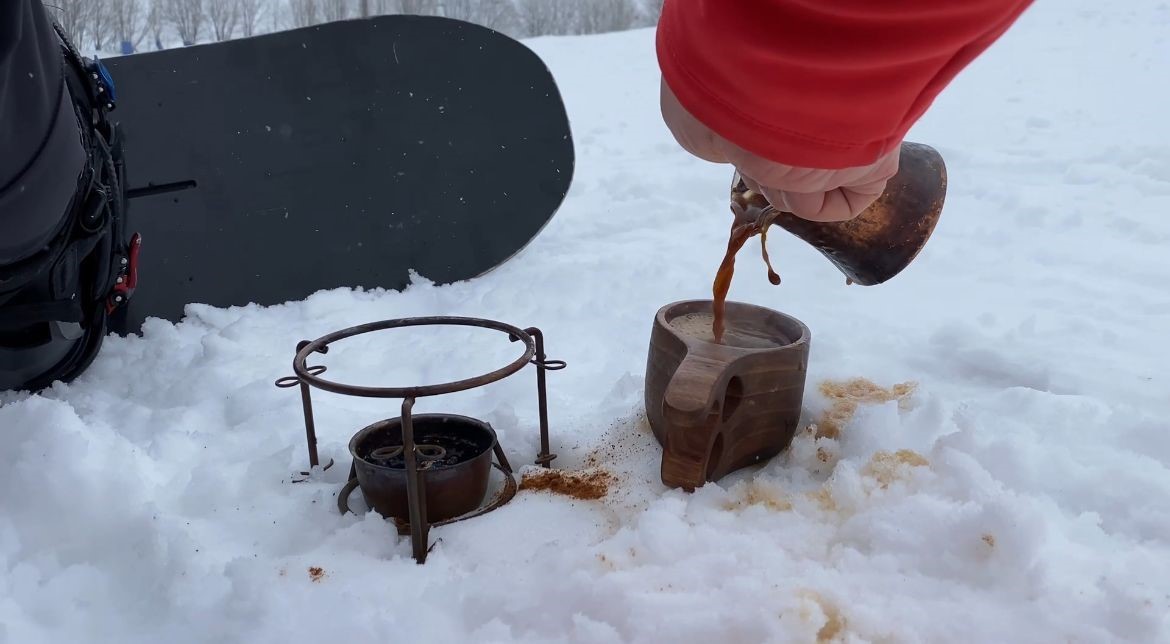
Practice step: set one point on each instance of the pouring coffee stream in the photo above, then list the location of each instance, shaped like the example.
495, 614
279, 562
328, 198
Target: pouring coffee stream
869, 249
740, 233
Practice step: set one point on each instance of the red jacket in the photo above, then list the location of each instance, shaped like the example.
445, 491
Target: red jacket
820, 83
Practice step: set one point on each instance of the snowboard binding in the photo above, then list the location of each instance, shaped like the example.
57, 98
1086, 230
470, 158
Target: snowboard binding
55, 306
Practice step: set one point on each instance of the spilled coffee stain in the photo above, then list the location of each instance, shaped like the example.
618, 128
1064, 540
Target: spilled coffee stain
886, 468
834, 625
622, 442
316, 573
762, 494
846, 395
628, 451
606, 562
586, 486
824, 498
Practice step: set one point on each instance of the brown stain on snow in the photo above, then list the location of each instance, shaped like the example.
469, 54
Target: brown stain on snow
886, 468
824, 498
835, 623
833, 627
756, 492
846, 395
587, 486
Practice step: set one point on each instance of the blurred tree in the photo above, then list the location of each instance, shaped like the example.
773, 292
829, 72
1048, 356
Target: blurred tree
419, 7
600, 16
187, 18
128, 23
74, 18
250, 11
333, 10
543, 17
304, 13
223, 15
154, 22
494, 14
99, 22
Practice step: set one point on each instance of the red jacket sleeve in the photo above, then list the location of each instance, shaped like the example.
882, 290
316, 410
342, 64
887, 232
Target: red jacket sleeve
820, 83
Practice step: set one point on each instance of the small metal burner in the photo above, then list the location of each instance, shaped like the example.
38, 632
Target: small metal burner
425, 456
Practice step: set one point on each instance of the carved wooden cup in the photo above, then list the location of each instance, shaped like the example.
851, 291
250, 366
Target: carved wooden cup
716, 408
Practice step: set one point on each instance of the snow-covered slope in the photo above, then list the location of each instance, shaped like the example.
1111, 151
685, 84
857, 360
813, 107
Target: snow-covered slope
1018, 491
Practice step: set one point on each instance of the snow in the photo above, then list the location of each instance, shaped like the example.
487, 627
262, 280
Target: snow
1017, 491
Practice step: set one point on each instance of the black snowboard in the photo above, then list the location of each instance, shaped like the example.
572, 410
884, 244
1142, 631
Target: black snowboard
342, 155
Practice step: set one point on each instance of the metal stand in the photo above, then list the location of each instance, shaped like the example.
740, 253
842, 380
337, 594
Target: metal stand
307, 377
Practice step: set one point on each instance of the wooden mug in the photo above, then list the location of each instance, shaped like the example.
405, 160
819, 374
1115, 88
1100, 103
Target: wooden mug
716, 408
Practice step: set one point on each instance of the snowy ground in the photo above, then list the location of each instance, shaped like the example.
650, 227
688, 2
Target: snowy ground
150, 501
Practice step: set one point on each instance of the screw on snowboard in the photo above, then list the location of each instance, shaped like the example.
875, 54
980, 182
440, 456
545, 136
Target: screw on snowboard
348, 154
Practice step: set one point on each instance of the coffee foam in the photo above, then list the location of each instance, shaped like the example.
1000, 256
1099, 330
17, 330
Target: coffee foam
699, 325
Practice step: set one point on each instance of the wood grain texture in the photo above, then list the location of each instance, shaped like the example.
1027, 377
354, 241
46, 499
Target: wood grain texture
716, 408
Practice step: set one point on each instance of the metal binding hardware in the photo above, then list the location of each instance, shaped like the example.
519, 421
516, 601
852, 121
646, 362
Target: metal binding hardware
103, 83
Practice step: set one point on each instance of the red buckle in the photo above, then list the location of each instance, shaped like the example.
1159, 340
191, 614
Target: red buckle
128, 280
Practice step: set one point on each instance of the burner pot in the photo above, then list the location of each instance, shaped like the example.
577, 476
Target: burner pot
454, 484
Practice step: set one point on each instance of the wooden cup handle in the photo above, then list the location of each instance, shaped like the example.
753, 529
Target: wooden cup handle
691, 392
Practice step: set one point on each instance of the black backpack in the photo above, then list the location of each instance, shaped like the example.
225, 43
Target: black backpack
55, 306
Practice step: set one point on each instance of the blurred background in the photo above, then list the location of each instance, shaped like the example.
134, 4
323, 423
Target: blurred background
112, 27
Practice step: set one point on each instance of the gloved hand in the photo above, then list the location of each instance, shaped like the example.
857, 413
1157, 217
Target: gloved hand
809, 193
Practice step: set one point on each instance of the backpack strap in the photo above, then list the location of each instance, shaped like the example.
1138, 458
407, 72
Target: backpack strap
68, 292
